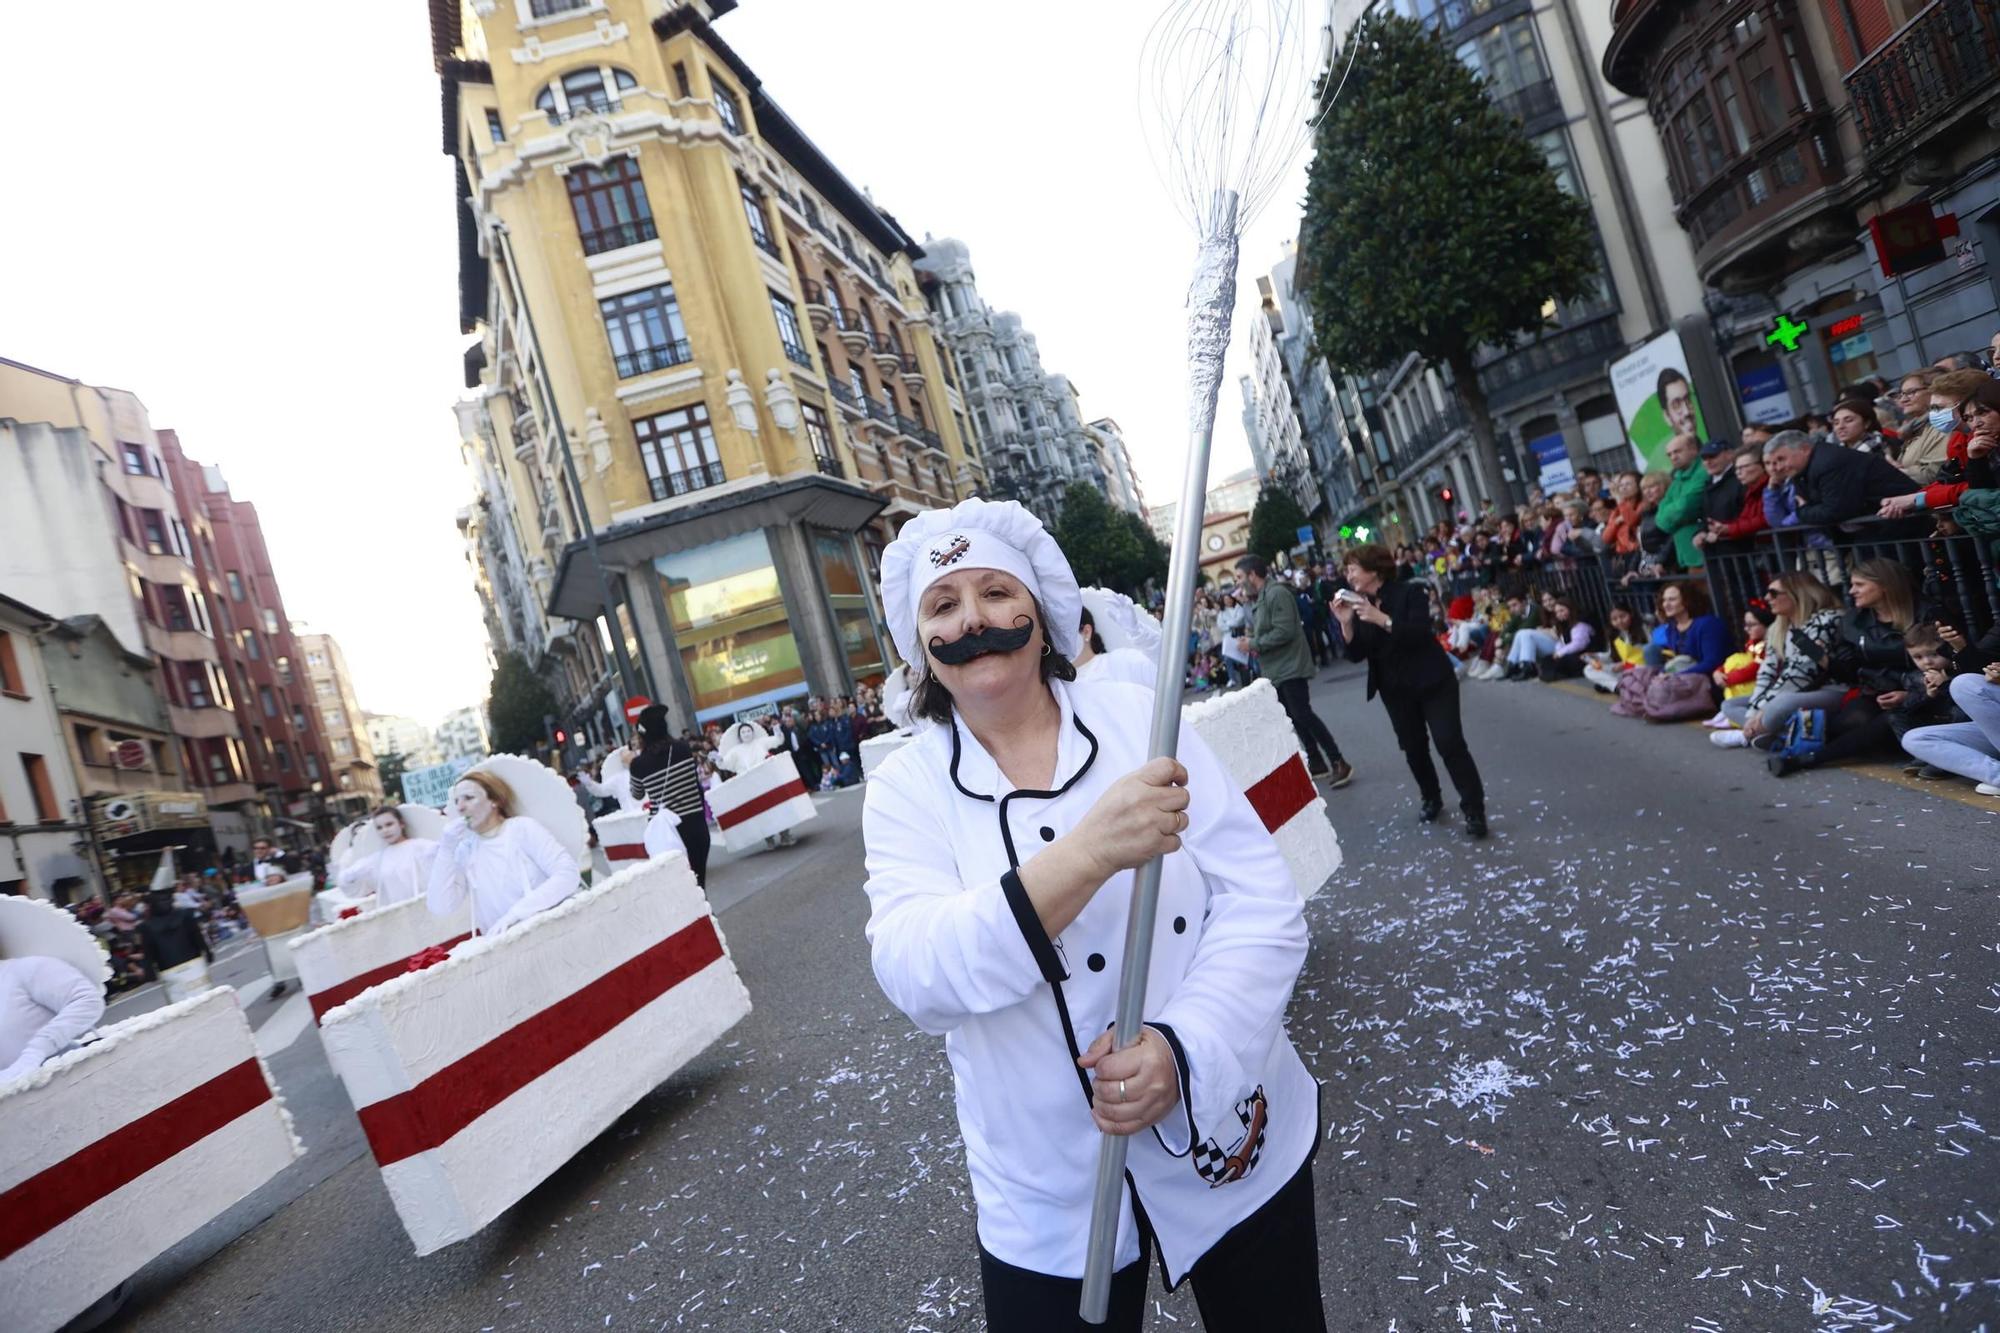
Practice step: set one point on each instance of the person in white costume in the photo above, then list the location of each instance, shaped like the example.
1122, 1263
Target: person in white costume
896, 700
1000, 850
615, 782
749, 745
45, 1005
511, 865
399, 872
1097, 661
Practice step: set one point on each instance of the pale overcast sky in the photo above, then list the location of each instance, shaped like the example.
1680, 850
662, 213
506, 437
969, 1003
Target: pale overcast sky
240, 212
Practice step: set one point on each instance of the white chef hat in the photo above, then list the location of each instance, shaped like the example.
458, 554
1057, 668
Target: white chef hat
978, 534
1121, 623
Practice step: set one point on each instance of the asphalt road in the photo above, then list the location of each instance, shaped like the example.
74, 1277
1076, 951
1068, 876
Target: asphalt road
1681, 1047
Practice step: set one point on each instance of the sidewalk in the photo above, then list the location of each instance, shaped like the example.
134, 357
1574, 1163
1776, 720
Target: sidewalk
1886, 770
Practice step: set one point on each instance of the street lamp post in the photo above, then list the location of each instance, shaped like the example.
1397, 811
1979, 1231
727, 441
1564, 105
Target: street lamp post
626, 678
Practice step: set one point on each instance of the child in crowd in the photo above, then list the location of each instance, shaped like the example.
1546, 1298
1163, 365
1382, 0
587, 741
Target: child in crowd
1927, 698
1737, 676
1626, 650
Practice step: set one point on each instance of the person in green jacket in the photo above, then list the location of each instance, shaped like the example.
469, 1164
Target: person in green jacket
1285, 658
1680, 512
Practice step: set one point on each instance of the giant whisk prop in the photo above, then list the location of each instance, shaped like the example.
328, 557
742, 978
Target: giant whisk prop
1225, 89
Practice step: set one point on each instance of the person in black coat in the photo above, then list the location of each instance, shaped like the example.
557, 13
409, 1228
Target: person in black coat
666, 773
171, 935
1387, 624
1839, 485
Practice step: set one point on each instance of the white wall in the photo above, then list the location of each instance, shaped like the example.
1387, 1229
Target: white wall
60, 554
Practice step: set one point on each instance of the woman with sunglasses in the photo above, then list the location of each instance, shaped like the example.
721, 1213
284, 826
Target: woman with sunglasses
1973, 402
1805, 622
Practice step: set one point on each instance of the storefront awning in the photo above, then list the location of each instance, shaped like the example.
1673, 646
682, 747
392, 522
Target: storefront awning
123, 816
815, 500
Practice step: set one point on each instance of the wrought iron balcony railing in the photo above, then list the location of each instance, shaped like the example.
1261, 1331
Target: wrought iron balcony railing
619, 235
697, 478
1940, 60
644, 360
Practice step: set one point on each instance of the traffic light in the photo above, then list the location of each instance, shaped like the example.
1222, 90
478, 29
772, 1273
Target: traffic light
562, 737
1446, 495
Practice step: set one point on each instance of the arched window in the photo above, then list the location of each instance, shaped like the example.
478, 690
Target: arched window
592, 88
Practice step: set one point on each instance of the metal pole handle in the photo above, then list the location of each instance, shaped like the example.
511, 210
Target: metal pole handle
1211, 298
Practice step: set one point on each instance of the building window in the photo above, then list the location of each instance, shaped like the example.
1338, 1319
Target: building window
270, 621
284, 759
821, 437
343, 746
37, 769
155, 528
760, 225
788, 331
645, 330
331, 716
584, 90
681, 80
267, 700
135, 459
284, 665
610, 206
250, 645
494, 130
543, 9
235, 581
727, 108
679, 451
312, 766
11, 683
195, 682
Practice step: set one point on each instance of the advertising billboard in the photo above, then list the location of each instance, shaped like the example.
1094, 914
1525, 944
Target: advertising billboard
1656, 400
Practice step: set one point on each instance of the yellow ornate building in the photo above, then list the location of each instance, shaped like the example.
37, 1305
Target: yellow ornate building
665, 271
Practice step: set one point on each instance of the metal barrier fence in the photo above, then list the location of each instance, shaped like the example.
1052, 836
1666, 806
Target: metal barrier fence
1958, 580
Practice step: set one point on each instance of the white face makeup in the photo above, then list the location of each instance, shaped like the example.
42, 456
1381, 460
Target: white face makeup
471, 803
389, 828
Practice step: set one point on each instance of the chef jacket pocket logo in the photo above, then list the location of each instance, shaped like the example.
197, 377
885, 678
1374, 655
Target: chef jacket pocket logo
1218, 1167
953, 551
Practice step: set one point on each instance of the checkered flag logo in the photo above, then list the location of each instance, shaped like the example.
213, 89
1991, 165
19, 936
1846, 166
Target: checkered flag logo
1218, 1167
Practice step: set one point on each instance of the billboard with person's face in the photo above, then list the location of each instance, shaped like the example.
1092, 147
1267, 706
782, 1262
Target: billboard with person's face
1655, 399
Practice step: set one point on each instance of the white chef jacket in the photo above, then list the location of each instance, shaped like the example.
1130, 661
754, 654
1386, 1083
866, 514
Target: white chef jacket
516, 872
45, 1004
1126, 664
394, 874
958, 947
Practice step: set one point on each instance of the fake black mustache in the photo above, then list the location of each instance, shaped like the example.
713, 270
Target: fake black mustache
983, 641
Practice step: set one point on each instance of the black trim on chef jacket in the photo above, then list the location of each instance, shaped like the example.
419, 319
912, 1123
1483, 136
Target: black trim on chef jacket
1047, 953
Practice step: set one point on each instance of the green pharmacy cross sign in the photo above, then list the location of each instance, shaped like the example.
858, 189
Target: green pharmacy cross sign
1787, 332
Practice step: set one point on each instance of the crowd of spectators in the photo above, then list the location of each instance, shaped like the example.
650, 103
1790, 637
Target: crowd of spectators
1860, 649
209, 894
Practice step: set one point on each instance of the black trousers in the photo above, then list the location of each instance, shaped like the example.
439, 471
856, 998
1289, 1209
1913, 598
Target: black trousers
1260, 1278
1314, 738
1431, 717
694, 836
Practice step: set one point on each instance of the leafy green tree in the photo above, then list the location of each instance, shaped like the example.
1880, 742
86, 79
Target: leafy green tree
1275, 521
516, 705
1107, 547
389, 768
1432, 224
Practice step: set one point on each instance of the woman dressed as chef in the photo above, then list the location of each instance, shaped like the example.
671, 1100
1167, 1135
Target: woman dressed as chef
1000, 850
512, 866
400, 871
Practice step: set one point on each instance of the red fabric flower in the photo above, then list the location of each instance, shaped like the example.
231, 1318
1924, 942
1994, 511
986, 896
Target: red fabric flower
347, 912
430, 957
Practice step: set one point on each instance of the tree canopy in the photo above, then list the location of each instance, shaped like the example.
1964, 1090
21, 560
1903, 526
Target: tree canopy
1275, 521
389, 768
1432, 224
1108, 547
516, 705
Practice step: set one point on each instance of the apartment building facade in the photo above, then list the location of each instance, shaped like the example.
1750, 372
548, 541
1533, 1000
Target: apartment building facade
355, 785
703, 353
1834, 162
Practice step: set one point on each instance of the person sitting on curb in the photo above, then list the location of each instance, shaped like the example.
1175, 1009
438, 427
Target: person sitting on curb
1927, 700
1689, 637
1868, 658
1793, 674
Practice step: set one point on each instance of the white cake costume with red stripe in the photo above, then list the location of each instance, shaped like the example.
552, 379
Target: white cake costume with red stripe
478, 1077
760, 803
634, 835
340, 960
118, 1150
1251, 735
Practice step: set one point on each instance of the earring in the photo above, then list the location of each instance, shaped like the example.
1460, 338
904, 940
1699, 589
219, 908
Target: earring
1046, 650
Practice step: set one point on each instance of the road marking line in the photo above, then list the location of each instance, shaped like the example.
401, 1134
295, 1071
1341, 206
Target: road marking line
285, 1026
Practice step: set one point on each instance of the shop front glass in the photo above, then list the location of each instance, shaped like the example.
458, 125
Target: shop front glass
853, 617
732, 626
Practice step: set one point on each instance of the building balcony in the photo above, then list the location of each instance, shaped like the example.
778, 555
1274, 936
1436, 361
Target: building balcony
829, 465
888, 356
1023, 377
599, 105
845, 397
181, 645
1550, 361
1939, 65
912, 371
698, 478
1751, 221
909, 427
201, 723
930, 438
620, 235
880, 411
645, 360
852, 331
228, 793
818, 309
798, 356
